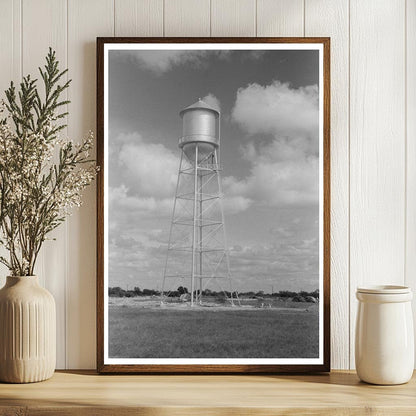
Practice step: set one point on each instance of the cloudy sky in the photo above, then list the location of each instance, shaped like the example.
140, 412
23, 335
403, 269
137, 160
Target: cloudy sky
269, 151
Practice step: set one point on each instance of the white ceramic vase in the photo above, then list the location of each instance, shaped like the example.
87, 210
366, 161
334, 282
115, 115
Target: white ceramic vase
384, 340
27, 331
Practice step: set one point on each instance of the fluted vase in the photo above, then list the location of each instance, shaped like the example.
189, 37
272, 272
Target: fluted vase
27, 331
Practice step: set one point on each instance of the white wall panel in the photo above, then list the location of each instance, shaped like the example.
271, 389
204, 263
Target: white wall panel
377, 146
10, 63
87, 20
138, 17
411, 148
10, 43
44, 24
187, 18
280, 18
233, 18
373, 131
330, 18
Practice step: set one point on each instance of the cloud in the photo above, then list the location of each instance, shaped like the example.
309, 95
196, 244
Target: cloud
136, 259
283, 232
119, 198
277, 109
147, 176
281, 173
161, 61
148, 169
236, 204
142, 180
282, 125
213, 101
283, 265
254, 54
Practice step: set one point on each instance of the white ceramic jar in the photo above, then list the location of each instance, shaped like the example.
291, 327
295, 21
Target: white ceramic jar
384, 340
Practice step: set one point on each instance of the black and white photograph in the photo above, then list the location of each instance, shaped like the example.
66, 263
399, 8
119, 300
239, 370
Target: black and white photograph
213, 203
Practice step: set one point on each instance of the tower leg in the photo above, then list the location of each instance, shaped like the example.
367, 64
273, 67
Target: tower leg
194, 233
200, 238
162, 293
227, 259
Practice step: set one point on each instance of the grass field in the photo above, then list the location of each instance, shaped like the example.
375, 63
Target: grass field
151, 332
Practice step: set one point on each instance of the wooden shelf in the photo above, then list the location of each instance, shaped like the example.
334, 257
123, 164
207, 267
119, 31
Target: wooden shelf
86, 393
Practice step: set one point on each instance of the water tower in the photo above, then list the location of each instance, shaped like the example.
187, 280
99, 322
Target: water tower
197, 253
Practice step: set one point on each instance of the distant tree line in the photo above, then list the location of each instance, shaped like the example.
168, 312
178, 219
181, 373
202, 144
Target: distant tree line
118, 292
301, 296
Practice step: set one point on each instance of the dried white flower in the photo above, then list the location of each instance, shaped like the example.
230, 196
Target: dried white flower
42, 176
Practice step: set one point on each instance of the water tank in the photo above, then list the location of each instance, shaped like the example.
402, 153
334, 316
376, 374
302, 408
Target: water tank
200, 128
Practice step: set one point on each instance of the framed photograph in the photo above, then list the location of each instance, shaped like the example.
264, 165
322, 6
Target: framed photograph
213, 205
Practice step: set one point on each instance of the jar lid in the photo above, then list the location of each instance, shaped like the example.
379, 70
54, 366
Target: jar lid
384, 289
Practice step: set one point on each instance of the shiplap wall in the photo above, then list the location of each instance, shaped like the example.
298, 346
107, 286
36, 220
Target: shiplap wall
373, 129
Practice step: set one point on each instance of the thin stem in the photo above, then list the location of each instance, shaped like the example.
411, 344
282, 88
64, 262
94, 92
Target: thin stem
35, 194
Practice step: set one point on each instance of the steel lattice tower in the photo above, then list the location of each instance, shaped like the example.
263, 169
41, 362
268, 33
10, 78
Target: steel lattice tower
197, 251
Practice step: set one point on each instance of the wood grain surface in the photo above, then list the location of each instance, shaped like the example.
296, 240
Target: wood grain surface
82, 393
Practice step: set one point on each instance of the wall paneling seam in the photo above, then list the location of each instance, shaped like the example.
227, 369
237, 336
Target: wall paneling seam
21, 40
210, 18
349, 184
66, 222
304, 17
405, 146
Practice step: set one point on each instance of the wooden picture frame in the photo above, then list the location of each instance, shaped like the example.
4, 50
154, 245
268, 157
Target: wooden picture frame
322, 363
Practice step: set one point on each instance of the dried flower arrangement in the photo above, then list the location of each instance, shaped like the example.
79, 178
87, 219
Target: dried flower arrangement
42, 176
